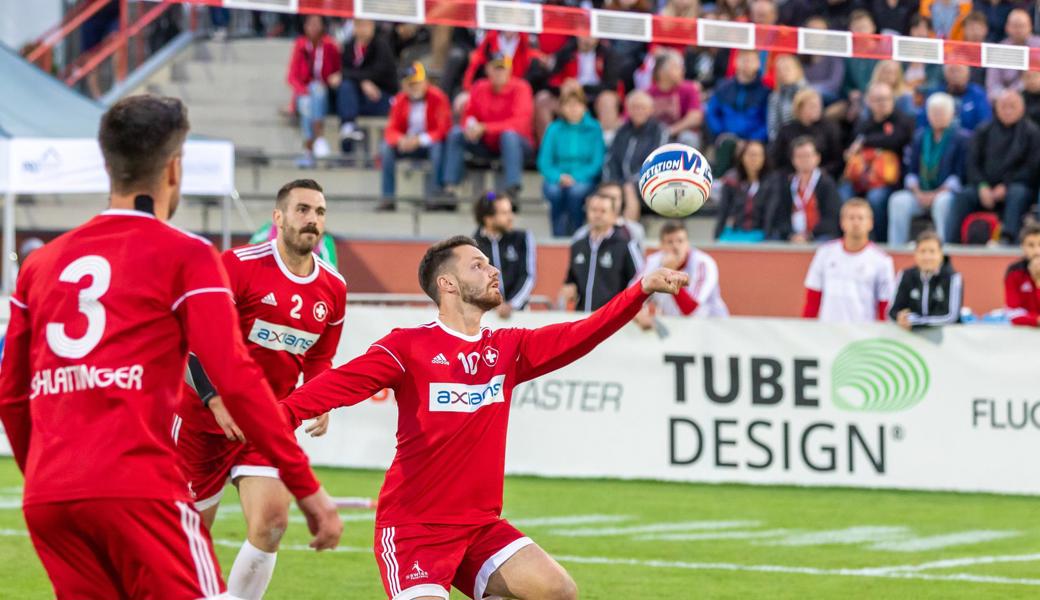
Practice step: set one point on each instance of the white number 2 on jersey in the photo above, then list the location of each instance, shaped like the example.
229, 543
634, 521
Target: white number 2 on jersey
89, 304
298, 303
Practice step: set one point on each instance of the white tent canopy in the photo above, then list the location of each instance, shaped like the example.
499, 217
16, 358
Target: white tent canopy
48, 145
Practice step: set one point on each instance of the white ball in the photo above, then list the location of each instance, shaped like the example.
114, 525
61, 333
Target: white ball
675, 180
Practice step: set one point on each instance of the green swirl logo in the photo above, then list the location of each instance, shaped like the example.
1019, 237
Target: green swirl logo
878, 376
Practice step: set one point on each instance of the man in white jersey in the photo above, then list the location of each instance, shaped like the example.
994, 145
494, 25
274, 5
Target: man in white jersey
701, 296
850, 280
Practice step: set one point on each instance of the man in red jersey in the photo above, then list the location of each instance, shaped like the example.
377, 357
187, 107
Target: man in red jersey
291, 307
92, 371
439, 518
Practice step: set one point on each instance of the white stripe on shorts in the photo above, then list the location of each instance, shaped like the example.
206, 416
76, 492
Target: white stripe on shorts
208, 581
390, 561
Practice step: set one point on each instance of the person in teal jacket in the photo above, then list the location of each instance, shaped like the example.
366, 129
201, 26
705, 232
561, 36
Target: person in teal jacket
570, 159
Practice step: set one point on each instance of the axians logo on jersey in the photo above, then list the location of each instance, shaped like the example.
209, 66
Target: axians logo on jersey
321, 310
416, 573
280, 337
457, 397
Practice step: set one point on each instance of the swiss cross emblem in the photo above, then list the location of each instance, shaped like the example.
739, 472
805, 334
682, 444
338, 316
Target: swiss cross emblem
320, 311
490, 356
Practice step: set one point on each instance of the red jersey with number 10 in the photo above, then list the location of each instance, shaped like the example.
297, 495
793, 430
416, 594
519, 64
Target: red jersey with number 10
291, 324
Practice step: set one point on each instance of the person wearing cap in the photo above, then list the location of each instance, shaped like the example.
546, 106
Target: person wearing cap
420, 118
314, 65
367, 82
497, 122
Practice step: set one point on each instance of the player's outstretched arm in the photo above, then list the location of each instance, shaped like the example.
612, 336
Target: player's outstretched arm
15, 377
546, 349
346, 385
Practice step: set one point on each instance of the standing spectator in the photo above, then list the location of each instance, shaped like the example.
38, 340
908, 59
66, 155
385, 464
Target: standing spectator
420, 118
858, 71
743, 198
803, 206
368, 81
825, 74
934, 171
873, 161
807, 109
737, 110
677, 102
929, 293
604, 262
850, 280
996, 13
515, 46
570, 160
733, 10
973, 108
496, 122
512, 251
976, 31
637, 138
630, 230
594, 66
890, 72
919, 76
313, 69
701, 297
1003, 158
1019, 33
1022, 281
946, 16
1031, 95
893, 16
97, 28
789, 81
683, 9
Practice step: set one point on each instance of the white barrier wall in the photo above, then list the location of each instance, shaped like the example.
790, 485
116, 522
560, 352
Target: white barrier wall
753, 401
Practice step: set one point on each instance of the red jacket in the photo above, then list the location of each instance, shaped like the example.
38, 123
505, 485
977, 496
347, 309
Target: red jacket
1021, 295
510, 109
301, 65
479, 57
438, 116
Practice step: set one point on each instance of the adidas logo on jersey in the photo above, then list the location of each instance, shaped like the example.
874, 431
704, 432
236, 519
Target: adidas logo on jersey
269, 299
439, 360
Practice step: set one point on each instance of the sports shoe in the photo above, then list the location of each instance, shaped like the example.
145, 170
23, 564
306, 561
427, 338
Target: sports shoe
321, 148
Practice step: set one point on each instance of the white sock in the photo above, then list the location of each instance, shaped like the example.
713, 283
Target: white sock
251, 573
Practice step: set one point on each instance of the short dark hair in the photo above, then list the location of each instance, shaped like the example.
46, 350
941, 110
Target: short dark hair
610, 184
295, 184
738, 161
433, 262
672, 226
977, 16
861, 13
928, 234
138, 135
1028, 230
484, 207
803, 140
918, 19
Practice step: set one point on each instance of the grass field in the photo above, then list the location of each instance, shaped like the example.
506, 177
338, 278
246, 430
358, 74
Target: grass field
634, 540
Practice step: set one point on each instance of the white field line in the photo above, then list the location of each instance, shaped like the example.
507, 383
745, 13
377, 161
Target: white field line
347, 518
654, 528
891, 573
849, 535
716, 535
569, 520
935, 542
951, 563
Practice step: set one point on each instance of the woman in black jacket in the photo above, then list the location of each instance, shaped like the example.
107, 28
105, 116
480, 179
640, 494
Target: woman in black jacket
931, 292
743, 196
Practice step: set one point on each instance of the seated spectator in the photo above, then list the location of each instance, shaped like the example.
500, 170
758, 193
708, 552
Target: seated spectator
1019, 33
512, 251
733, 10
683, 9
808, 120
996, 13
1003, 158
637, 138
313, 68
677, 102
737, 110
917, 75
496, 122
789, 81
803, 205
594, 66
872, 163
850, 280
976, 31
631, 230
701, 297
368, 80
1031, 95
891, 72
742, 201
516, 46
946, 17
420, 119
929, 293
825, 74
570, 160
795, 13
892, 16
934, 171
603, 263
766, 13
1022, 281
973, 108
858, 71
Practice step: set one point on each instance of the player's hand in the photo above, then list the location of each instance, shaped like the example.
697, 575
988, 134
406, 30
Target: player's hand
318, 426
568, 294
223, 417
903, 319
322, 520
665, 281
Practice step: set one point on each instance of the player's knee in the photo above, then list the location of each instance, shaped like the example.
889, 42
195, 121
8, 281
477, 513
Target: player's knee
562, 588
268, 528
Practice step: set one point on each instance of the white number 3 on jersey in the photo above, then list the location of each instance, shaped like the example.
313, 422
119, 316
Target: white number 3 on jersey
89, 304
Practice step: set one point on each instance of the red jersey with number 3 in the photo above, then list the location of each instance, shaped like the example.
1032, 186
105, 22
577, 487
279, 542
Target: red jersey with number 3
291, 324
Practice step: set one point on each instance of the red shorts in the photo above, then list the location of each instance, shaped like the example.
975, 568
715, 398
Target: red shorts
209, 460
426, 560
125, 548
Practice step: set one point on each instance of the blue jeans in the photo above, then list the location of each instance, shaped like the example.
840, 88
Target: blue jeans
390, 155
513, 150
352, 103
567, 206
220, 17
903, 207
878, 199
312, 108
